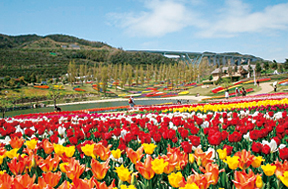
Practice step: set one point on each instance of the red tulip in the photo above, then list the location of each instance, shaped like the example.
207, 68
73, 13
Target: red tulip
215, 139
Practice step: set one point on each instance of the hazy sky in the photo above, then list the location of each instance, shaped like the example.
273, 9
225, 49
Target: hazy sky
257, 27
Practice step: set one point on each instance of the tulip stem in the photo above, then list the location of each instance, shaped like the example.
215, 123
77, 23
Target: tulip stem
217, 156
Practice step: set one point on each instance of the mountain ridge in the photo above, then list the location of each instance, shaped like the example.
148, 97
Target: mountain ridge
23, 41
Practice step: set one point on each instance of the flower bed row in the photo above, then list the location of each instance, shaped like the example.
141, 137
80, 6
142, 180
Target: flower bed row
255, 97
41, 86
78, 89
217, 146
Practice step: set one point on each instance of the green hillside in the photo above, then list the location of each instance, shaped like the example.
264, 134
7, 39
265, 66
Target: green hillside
22, 41
50, 55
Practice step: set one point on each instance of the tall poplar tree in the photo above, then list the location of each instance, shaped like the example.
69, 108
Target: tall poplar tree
104, 79
137, 75
141, 75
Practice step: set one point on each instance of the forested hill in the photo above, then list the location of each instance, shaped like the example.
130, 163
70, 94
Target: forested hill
49, 41
50, 55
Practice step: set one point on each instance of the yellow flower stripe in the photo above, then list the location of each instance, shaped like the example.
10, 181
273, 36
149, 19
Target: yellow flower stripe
225, 107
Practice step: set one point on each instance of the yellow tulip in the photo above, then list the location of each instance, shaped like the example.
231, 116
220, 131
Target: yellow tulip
259, 182
222, 153
158, 165
127, 187
88, 150
123, 173
69, 151
149, 148
285, 178
174, 179
232, 162
116, 153
1, 159
2, 172
257, 161
12, 153
190, 186
31, 144
268, 169
59, 149
191, 158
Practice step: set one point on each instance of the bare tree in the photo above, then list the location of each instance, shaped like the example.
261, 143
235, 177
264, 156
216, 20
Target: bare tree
72, 72
54, 94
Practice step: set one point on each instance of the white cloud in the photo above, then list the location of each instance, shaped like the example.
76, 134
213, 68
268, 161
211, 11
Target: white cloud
161, 17
236, 17
167, 16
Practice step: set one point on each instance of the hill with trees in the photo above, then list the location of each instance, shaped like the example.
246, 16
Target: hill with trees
49, 56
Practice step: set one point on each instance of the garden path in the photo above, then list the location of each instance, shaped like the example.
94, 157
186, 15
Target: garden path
265, 88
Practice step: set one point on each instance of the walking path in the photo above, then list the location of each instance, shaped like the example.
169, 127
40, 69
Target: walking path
265, 88
194, 98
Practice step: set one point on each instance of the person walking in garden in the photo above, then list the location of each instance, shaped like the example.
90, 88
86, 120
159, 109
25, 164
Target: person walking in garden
131, 102
275, 87
243, 91
274, 84
227, 94
237, 92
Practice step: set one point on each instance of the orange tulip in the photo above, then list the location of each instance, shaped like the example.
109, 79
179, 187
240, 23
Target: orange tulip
99, 170
41, 184
17, 167
83, 184
24, 181
64, 185
199, 179
101, 151
245, 159
135, 156
145, 169
73, 169
103, 185
16, 142
47, 146
244, 180
172, 162
6, 181
212, 172
49, 164
280, 168
202, 158
179, 156
52, 179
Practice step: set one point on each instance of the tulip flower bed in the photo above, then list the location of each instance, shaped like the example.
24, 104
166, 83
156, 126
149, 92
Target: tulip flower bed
219, 145
78, 89
41, 86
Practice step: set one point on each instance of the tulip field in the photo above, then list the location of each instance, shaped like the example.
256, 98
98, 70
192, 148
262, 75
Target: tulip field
225, 144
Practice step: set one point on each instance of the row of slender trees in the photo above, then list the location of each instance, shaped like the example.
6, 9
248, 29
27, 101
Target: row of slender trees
122, 74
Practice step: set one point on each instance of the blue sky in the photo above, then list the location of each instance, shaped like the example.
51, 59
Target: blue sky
258, 27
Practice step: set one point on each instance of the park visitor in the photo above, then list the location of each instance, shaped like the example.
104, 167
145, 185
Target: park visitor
243, 91
237, 92
131, 102
227, 94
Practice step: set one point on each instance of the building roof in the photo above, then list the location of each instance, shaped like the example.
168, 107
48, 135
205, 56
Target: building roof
245, 67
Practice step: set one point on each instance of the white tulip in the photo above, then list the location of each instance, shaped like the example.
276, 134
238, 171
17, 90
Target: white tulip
61, 141
247, 137
272, 145
6, 140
